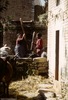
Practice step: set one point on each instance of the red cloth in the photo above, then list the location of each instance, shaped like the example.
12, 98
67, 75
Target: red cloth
39, 46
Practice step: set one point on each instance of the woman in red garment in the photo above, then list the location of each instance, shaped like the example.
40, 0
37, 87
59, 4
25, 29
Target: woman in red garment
39, 44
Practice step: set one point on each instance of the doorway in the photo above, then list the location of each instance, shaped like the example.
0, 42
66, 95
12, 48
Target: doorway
57, 56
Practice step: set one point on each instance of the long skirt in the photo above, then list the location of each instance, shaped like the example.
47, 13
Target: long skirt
19, 51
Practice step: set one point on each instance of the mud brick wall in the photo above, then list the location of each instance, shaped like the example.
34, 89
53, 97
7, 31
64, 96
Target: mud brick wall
38, 10
20, 9
9, 38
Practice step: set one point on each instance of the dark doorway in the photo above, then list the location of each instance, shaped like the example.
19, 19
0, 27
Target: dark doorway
57, 56
1, 35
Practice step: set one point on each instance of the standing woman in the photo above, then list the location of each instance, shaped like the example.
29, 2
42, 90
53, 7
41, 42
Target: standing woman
39, 44
20, 48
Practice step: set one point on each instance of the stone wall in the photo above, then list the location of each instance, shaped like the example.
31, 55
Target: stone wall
35, 66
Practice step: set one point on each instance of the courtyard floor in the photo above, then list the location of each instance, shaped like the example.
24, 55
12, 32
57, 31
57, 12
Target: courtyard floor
33, 88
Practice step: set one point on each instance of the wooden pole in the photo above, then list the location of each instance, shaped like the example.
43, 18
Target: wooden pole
32, 43
21, 22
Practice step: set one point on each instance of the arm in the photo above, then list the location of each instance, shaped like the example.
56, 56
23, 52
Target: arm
20, 38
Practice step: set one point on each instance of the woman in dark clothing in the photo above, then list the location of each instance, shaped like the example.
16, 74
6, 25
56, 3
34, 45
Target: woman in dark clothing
21, 46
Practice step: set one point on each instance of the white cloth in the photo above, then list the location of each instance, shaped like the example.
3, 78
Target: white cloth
4, 51
44, 54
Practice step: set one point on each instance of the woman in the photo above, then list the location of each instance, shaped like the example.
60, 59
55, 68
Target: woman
21, 48
39, 44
